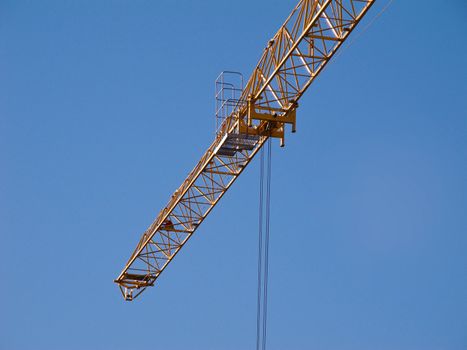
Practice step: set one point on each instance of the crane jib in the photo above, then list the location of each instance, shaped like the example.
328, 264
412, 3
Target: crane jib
291, 61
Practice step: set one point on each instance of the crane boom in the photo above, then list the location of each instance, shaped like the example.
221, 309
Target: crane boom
293, 58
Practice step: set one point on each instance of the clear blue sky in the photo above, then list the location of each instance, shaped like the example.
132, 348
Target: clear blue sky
106, 105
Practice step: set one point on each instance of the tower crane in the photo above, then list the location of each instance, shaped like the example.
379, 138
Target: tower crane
291, 61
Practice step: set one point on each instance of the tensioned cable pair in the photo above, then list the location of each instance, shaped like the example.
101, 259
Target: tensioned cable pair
263, 247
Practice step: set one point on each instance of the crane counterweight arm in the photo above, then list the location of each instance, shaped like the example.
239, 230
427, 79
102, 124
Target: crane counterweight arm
291, 61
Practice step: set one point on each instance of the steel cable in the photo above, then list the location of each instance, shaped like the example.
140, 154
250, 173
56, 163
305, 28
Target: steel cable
263, 247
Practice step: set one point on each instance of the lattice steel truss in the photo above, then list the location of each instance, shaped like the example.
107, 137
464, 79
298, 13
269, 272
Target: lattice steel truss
293, 58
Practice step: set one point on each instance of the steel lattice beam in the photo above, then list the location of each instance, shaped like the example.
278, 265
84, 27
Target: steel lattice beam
293, 58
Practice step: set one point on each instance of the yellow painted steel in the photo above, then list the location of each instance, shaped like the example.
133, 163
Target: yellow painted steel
293, 58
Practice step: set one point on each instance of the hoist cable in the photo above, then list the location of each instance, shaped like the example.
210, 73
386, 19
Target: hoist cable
260, 248
266, 243
263, 246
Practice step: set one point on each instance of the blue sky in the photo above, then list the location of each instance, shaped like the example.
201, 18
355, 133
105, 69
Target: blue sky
105, 106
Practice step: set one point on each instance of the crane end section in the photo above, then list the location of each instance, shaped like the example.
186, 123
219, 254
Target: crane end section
132, 285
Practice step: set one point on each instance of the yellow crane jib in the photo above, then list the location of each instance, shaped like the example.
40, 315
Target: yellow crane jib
292, 59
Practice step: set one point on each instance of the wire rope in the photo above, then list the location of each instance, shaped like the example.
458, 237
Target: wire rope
263, 246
